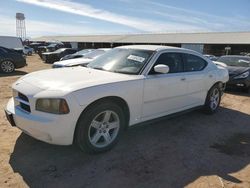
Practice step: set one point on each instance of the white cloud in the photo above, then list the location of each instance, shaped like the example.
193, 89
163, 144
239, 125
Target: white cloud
138, 23
38, 28
214, 22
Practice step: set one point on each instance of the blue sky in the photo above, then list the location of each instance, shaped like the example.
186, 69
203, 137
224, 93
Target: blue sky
76, 17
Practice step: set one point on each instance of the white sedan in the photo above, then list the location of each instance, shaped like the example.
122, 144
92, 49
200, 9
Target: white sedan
128, 85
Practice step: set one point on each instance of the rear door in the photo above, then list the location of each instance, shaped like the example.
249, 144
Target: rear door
196, 76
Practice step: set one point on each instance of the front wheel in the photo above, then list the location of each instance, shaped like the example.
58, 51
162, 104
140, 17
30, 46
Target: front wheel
99, 128
213, 99
7, 66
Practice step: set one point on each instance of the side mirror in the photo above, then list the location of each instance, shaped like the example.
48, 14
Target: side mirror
163, 69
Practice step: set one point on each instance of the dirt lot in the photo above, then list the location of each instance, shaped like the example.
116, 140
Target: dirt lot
193, 150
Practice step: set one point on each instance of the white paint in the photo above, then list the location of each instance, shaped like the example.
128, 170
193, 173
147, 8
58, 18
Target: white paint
147, 96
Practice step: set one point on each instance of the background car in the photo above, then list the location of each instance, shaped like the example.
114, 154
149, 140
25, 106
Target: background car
78, 54
35, 45
86, 59
51, 57
50, 47
28, 50
10, 60
239, 71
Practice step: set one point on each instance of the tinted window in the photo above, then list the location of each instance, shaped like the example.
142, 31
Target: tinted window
194, 63
172, 60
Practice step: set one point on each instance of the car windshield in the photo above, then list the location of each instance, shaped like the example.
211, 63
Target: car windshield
83, 52
94, 54
121, 60
235, 61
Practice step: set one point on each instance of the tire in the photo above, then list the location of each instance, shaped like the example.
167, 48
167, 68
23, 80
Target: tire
29, 53
99, 127
213, 99
7, 66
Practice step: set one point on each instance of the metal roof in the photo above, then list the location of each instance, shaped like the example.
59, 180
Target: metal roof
182, 38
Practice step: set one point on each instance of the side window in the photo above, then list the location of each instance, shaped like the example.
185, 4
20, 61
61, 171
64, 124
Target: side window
172, 60
194, 63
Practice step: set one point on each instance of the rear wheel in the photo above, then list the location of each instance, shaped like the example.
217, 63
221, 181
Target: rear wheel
213, 99
7, 66
99, 128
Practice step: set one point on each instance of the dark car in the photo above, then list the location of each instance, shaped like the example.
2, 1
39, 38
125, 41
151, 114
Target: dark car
239, 71
51, 47
78, 54
51, 57
35, 46
10, 60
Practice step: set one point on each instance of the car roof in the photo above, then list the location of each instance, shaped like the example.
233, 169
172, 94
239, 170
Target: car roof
148, 47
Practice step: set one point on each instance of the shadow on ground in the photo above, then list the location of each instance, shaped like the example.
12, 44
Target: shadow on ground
15, 73
169, 153
240, 92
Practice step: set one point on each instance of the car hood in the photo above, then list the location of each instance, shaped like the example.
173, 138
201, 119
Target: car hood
233, 71
73, 62
72, 79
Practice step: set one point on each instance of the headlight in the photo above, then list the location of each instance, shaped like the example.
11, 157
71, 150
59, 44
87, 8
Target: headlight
54, 106
243, 75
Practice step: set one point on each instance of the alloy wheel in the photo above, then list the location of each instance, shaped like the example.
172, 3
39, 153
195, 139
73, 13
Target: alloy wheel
214, 98
7, 66
104, 129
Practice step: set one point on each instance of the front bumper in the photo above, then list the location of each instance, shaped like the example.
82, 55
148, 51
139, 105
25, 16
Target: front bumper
238, 83
57, 130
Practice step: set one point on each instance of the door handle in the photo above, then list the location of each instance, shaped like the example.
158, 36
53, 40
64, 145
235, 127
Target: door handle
210, 76
183, 79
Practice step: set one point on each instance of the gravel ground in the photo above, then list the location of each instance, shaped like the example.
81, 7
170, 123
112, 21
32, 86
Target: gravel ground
192, 150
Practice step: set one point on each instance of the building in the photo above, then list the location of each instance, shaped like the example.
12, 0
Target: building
216, 43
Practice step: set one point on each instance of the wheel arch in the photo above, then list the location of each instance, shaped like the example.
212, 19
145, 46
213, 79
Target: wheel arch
113, 99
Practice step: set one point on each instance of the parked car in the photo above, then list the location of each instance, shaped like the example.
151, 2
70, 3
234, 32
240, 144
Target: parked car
51, 47
51, 57
78, 54
54, 46
127, 85
81, 61
35, 46
239, 71
10, 60
28, 50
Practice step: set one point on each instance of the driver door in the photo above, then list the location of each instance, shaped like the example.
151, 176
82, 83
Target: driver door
165, 93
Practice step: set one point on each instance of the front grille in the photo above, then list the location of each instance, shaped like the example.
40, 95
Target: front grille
23, 102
